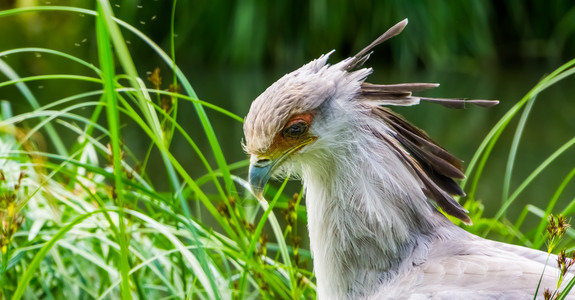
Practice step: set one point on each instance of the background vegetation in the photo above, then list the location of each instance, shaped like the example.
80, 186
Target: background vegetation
116, 181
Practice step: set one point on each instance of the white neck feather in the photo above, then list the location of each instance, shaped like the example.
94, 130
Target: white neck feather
366, 212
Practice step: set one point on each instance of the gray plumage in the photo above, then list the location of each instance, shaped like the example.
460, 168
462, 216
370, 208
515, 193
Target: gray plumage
372, 184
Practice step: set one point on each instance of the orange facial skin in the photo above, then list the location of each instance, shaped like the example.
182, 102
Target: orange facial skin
282, 144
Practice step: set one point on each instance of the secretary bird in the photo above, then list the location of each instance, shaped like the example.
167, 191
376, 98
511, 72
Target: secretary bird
373, 183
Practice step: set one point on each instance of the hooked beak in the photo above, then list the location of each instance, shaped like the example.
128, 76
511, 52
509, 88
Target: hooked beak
262, 167
260, 173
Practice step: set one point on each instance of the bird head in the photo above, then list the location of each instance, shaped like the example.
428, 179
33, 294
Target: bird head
285, 119
306, 110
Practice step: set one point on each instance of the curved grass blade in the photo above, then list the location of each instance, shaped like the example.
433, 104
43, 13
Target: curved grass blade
514, 147
484, 150
13, 76
31, 269
108, 72
530, 178
52, 52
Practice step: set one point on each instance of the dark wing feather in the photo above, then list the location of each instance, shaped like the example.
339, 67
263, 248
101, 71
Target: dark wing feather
401, 95
433, 165
400, 87
392, 94
460, 103
419, 143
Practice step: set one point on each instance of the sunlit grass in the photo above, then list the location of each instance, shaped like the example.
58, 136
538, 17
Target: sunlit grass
106, 229
86, 221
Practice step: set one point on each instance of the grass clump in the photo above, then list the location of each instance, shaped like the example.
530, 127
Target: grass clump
91, 223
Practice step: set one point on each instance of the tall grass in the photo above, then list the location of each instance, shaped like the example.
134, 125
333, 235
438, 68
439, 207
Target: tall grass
475, 168
511, 232
85, 220
89, 224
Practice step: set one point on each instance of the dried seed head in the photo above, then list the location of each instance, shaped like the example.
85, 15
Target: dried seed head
17, 186
166, 104
174, 88
561, 259
222, 208
155, 78
552, 227
294, 197
232, 201
250, 226
555, 230
562, 225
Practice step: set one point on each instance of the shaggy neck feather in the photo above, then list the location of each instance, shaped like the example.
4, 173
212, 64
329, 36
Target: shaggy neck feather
362, 231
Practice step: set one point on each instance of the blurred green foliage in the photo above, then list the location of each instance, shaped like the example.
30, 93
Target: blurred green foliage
243, 33
232, 50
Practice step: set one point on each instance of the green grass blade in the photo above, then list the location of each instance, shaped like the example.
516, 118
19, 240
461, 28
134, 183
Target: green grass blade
123, 53
567, 289
194, 263
484, 150
514, 147
152, 120
532, 176
31, 269
13, 76
269, 215
108, 72
36, 50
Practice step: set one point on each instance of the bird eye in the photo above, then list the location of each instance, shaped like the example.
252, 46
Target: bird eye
295, 130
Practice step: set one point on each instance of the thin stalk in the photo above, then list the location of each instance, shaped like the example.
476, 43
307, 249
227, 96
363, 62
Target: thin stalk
39, 257
541, 277
540, 228
108, 70
52, 52
484, 150
174, 76
514, 147
147, 109
206, 125
11, 74
531, 177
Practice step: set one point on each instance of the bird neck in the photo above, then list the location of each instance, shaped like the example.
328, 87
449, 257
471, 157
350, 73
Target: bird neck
366, 214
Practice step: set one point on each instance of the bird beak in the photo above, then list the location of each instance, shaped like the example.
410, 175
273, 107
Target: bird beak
260, 173
262, 167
